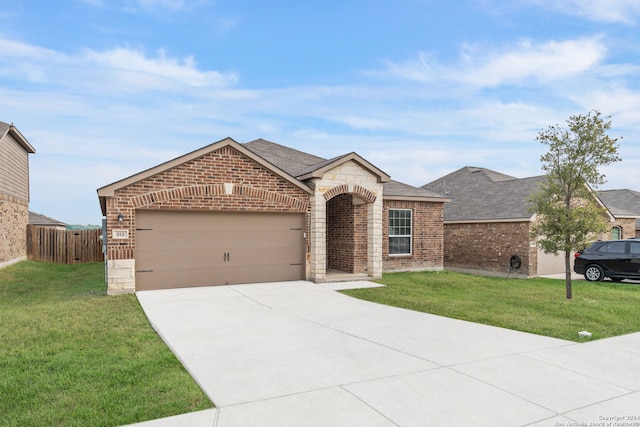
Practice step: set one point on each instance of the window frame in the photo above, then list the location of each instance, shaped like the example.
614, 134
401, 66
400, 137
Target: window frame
400, 236
617, 229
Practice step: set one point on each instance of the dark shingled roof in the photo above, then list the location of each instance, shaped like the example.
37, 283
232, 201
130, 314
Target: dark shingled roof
297, 163
622, 202
479, 194
399, 189
293, 162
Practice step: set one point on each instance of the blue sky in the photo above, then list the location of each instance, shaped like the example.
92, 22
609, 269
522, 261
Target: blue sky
106, 88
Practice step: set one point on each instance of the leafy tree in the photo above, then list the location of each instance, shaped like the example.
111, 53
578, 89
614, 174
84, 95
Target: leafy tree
568, 211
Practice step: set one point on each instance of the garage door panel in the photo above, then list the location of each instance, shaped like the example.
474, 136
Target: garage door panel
181, 239
181, 249
195, 258
178, 278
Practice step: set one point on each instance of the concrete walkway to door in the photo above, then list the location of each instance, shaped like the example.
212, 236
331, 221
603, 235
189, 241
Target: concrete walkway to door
301, 354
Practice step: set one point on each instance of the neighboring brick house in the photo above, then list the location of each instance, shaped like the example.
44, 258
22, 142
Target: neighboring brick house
14, 194
623, 203
488, 221
261, 212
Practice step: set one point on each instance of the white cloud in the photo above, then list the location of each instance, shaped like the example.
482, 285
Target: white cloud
482, 67
135, 68
622, 104
94, 3
119, 69
165, 4
624, 11
12, 49
153, 6
546, 62
146, 6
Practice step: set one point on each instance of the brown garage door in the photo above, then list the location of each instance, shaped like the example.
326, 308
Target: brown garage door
185, 249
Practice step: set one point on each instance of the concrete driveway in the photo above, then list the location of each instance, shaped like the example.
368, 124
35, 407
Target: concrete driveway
301, 354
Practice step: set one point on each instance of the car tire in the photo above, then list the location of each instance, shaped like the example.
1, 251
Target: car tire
594, 273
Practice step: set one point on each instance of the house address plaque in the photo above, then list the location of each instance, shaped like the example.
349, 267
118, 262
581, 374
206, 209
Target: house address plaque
120, 234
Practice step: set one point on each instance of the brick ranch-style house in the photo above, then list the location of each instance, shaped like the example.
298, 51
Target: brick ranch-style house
261, 212
488, 221
14, 194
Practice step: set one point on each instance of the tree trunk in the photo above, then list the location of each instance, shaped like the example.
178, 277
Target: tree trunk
567, 272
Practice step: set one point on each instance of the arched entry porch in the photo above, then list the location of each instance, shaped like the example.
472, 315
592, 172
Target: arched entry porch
347, 218
346, 244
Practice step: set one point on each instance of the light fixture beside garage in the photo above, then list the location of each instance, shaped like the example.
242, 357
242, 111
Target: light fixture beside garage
120, 217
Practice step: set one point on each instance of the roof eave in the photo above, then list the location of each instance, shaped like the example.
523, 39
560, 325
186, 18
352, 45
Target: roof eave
21, 139
487, 221
416, 199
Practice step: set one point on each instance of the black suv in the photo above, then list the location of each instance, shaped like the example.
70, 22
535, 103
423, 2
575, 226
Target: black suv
617, 259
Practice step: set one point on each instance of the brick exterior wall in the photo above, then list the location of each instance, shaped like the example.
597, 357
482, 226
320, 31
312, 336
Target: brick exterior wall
628, 226
14, 217
428, 237
346, 234
489, 247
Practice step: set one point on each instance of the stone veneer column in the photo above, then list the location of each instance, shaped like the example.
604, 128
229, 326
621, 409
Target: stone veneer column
374, 232
318, 235
121, 276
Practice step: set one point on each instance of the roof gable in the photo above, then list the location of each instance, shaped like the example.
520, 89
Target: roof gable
479, 194
109, 190
318, 170
304, 165
464, 177
6, 128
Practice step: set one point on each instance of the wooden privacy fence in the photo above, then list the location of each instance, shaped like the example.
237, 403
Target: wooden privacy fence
63, 246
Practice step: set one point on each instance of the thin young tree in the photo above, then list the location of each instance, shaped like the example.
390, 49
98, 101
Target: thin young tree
568, 211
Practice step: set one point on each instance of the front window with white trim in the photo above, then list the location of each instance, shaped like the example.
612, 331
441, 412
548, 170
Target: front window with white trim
400, 231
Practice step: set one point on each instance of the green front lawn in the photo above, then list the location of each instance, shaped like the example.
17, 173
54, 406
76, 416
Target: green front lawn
537, 306
72, 356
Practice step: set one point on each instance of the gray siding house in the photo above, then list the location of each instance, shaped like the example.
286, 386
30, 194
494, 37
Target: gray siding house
14, 194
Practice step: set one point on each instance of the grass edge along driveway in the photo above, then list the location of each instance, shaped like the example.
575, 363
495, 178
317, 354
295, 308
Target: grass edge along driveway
537, 305
72, 356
